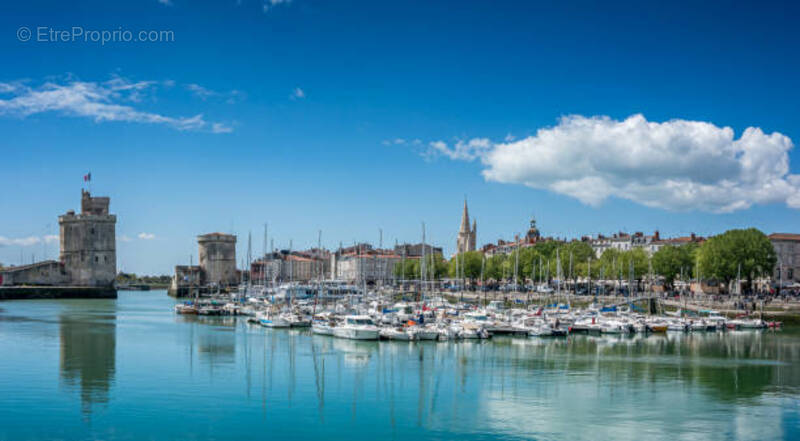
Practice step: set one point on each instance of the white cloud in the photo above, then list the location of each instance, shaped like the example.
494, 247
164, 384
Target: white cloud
464, 151
298, 94
27, 241
205, 93
674, 165
269, 4
221, 128
165, 2
124, 238
9, 87
101, 102
146, 236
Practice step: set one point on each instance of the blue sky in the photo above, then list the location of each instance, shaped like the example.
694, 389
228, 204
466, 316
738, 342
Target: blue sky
355, 116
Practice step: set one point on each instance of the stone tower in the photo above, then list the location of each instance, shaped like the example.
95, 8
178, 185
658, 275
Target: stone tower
88, 243
218, 258
466, 235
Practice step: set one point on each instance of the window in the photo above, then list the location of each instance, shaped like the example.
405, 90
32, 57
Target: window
96, 259
92, 230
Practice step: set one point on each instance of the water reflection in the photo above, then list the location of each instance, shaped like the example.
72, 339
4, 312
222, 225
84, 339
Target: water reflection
213, 339
218, 377
88, 352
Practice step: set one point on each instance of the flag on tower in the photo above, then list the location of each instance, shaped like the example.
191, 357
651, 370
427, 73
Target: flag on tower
87, 177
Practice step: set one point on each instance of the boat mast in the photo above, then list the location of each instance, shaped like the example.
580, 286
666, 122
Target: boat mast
424, 265
319, 272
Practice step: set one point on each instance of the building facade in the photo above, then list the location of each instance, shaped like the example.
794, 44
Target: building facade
650, 243
295, 266
416, 250
466, 235
371, 268
787, 250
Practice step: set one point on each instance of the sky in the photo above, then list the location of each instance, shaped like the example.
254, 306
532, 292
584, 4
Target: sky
355, 117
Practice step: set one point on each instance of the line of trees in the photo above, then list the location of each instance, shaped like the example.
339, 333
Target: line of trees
746, 252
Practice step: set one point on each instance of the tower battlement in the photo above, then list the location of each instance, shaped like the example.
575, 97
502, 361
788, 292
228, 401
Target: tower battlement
97, 205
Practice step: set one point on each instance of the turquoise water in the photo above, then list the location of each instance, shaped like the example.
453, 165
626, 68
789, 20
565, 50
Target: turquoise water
131, 369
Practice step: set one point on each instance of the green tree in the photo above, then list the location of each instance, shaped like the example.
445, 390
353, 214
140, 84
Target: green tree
408, 269
468, 265
669, 261
720, 256
494, 266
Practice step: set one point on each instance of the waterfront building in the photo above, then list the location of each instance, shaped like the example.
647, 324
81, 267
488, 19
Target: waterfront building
217, 253
787, 250
297, 266
372, 266
416, 250
217, 266
650, 243
466, 235
87, 257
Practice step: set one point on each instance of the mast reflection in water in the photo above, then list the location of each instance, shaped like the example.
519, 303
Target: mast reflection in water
132, 369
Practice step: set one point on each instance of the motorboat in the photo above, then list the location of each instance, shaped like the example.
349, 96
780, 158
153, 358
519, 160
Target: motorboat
186, 308
357, 327
297, 321
396, 333
422, 332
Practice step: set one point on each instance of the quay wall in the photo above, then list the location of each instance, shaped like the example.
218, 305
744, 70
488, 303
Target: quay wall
182, 291
56, 292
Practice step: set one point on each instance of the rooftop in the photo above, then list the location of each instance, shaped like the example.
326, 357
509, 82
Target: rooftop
784, 236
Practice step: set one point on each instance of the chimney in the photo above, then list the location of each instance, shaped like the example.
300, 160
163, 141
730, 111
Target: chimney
656, 236
693, 237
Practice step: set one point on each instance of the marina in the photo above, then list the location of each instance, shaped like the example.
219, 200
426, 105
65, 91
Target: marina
117, 369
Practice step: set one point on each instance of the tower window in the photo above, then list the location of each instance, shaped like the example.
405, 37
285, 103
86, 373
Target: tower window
96, 259
92, 230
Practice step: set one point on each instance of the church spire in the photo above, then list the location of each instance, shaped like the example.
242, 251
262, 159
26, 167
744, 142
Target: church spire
465, 219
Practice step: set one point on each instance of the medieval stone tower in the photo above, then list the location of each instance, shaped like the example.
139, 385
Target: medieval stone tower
218, 258
466, 235
88, 243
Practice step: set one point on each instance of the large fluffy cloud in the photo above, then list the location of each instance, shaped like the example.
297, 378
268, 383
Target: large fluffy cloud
677, 164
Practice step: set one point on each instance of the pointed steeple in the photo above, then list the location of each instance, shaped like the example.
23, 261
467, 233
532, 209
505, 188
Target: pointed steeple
465, 219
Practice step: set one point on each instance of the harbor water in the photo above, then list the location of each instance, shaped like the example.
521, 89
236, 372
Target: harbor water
131, 369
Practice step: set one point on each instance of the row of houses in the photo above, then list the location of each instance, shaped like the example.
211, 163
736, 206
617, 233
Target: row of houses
786, 245
625, 242
360, 262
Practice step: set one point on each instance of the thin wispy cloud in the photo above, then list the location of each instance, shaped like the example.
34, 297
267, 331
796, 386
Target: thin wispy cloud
27, 241
268, 5
401, 141
205, 93
221, 128
298, 94
674, 165
147, 236
165, 2
124, 238
109, 101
